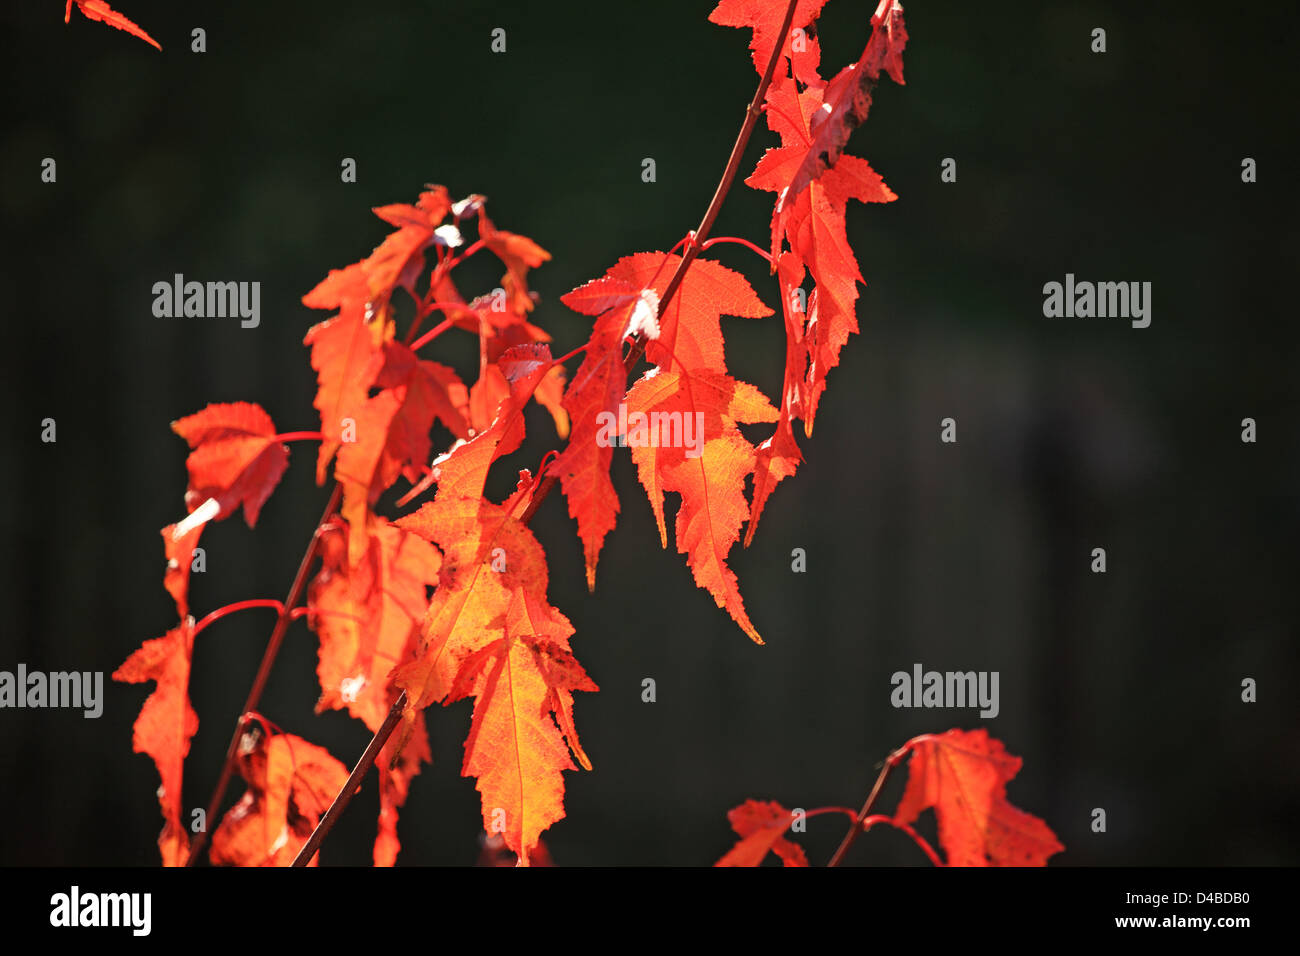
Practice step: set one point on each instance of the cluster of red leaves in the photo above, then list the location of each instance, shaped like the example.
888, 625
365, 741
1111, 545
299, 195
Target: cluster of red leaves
814, 182
99, 10
487, 631
962, 775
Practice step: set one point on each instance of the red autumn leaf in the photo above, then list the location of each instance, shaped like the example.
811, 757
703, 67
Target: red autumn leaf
687, 338
761, 828
845, 101
291, 783
519, 253
400, 258
99, 10
344, 348
342, 353
179, 550
597, 387
515, 747
710, 475
765, 18
550, 390
236, 460
814, 225
390, 434
778, 457
491, 632
690, 331
368, 615
468, 607
165, 726
963, 775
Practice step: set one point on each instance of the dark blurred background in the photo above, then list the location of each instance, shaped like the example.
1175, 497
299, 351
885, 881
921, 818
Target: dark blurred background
1120, 691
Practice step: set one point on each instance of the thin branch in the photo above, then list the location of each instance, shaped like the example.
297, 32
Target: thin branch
752, 112
890, 763
221, 612
353, 783
263, 673
741, 242
919, 840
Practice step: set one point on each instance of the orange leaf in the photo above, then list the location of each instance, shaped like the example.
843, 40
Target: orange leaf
709, 475
487, 551
99, 10
179, 550
762, 828
368, 616
291, 783
235, 460
165, 726
964, 776
765, 17
515, 748
342, 352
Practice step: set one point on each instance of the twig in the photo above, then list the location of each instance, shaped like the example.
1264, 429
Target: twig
752, 113
919, 840
890, 763
263, 673
353, 783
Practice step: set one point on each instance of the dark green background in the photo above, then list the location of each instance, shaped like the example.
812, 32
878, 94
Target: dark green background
1120, 690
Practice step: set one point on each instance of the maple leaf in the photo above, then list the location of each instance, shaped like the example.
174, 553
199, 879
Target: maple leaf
179, 551
963, 775
711, 482
492, 387
99, 10
399, 259
846, 100
291, 783
165, 725
467, 608
813, 222
235, 460
515, 748
778, 457
686, 338
761, 828
368, 614
519, 253
597, 387
490, 631
344, 347
392, 431
342, 353
765, 18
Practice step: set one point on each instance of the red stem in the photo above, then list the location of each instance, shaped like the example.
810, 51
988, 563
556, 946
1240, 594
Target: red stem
849, 811
221, 612
263, 673
564, 358
890, 763
433, 333
920, 841
353, 783
299, 436
743, 242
